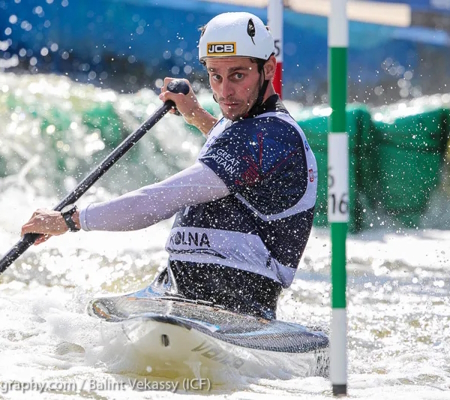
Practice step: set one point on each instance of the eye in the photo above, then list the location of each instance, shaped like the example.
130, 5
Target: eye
239, 75
216, 77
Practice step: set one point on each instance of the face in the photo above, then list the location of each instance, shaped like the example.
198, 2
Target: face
235, 82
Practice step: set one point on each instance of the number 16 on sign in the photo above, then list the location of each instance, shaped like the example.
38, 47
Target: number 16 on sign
338, 207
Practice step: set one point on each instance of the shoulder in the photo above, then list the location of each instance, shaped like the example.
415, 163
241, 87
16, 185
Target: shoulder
277, 126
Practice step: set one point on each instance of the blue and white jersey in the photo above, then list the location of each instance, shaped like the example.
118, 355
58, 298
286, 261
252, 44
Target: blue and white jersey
264, 224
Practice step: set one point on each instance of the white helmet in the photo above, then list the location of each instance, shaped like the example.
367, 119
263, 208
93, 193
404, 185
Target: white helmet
237, 34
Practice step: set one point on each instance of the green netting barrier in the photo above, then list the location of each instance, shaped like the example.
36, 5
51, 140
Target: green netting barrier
410, 150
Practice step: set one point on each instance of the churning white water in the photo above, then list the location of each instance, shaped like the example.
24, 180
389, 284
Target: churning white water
51, 135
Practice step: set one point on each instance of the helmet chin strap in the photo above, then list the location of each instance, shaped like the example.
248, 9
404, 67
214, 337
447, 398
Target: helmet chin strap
260, 99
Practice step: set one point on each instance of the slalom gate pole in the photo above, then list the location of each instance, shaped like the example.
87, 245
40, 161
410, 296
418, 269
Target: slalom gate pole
338, 190
275, 22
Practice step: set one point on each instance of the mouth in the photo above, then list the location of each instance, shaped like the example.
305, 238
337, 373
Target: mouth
230, 105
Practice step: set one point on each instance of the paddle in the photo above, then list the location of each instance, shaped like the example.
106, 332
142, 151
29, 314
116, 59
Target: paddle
175, 86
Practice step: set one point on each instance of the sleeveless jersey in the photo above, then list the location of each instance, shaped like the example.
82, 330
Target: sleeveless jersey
263, 225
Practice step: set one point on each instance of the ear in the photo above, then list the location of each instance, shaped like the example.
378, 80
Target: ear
270, 67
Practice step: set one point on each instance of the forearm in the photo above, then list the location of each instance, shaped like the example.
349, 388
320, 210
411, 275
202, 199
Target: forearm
202, 120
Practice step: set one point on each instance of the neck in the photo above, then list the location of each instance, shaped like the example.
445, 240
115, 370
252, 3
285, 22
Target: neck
270, 91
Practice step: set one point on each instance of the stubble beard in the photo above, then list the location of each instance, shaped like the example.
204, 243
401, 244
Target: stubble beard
235, 116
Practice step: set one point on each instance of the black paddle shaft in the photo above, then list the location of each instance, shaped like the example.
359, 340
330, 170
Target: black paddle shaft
175, 86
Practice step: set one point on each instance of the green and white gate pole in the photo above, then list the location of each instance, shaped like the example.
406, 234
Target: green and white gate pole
338, 201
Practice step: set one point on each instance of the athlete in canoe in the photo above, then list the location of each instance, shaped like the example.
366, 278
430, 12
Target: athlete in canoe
244, 210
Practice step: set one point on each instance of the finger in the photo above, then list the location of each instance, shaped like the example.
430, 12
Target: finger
38, 240
34, 225
26, 229
41, 239
164, 97
167, 80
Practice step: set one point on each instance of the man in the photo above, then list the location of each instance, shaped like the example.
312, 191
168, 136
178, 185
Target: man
245, 208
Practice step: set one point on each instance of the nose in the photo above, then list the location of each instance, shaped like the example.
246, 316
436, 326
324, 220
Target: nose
227, 88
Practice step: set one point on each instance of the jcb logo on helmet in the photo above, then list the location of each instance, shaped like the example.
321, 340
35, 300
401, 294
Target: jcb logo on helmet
228, 48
